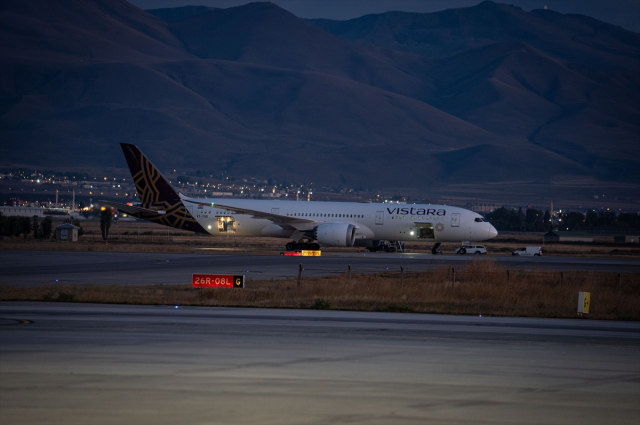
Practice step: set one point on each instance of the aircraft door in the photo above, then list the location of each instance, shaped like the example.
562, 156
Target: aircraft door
455, 220
425, 231
226, 224
379, 217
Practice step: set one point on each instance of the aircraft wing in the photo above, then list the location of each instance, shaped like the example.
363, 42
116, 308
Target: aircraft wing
295, 223
130, 209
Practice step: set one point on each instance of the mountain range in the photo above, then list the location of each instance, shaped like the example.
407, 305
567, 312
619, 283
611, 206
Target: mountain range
487, 94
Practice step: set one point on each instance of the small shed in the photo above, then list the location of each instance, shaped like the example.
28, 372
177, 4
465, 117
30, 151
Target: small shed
67, 232
626, 239
567, 236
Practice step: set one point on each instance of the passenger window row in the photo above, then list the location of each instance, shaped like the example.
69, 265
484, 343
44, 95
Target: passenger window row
327, 215
313, 215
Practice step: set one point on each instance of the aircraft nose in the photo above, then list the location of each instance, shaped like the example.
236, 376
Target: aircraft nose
492, 232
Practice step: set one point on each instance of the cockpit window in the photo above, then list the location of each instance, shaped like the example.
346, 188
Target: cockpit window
479, 220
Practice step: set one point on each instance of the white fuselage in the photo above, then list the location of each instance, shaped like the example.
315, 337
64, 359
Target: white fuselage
375, 221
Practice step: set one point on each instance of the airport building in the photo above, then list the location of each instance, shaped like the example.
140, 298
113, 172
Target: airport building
67, 233
484, 208
22, 211
627, 239
567, 236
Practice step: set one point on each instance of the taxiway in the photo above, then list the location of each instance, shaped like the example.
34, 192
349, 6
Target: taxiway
23, 268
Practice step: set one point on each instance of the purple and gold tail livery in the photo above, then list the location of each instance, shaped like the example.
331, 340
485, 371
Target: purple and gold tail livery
158, 201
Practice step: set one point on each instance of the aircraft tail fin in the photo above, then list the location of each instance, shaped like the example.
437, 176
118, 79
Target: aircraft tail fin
159, 202
152, 186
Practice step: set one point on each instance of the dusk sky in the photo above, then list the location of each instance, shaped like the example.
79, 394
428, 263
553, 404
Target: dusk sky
625, 13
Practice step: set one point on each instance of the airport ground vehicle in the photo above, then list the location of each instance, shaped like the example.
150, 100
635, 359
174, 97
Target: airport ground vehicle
471, 249
535, 251
386, 246
306, 224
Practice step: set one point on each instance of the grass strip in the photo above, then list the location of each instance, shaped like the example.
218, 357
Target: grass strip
481, 287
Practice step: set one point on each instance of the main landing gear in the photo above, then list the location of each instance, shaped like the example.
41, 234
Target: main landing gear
392, 246
299, 246
436, 249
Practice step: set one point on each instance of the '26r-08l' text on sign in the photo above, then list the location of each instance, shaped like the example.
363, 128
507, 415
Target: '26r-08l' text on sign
217, 281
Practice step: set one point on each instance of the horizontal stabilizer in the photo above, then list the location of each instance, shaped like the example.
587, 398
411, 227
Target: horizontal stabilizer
131, 209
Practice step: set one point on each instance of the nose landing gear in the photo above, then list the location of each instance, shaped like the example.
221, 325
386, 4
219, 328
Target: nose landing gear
436, 249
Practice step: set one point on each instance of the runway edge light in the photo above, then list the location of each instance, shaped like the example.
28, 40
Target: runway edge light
584, 299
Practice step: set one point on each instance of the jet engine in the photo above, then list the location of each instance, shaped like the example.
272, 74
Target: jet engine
335, 234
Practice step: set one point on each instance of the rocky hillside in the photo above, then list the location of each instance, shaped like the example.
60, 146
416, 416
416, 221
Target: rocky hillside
489, 93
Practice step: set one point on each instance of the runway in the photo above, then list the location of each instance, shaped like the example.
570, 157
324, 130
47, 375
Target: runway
78, 364
24, 268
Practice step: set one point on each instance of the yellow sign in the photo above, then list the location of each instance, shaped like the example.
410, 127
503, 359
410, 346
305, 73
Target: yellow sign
309, 253
584, 299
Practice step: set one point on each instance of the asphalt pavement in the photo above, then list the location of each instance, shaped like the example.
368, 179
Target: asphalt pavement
26, 268
105, 364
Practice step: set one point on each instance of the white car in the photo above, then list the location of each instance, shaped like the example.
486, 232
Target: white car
472, 249
535, 251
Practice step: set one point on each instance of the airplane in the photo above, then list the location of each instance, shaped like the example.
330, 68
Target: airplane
307, 224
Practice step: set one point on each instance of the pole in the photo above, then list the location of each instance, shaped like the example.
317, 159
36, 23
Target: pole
561, 278
453, 280
401, 276
619, 285
299, 274
349, 273
507, 276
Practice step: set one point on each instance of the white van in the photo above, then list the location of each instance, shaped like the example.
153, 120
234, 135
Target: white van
536, 251
471, 249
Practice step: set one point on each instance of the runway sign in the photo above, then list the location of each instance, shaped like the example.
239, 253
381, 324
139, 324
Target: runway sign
217, 281
583, 302
308, 253
303, 253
